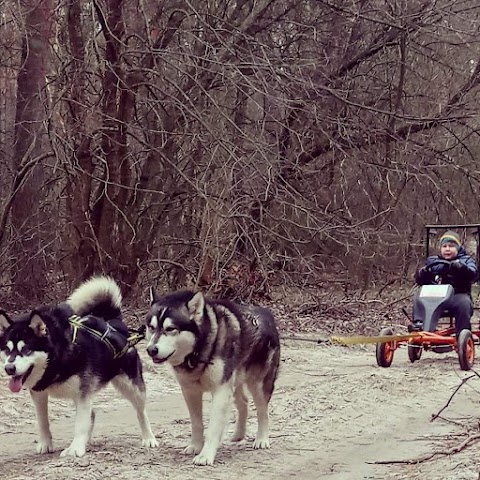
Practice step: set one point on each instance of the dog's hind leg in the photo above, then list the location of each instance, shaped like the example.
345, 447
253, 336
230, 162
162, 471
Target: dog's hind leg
241, 402
261, 400
193, 399
40, 400
221, 404
92, 424
135, 394
83, 427
261, 385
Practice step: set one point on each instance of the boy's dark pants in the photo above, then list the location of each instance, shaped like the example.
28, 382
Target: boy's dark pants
460, 306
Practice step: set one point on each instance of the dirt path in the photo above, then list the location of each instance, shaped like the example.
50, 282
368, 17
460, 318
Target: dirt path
333, 415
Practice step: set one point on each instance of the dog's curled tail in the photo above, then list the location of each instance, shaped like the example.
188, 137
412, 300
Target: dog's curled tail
97, 296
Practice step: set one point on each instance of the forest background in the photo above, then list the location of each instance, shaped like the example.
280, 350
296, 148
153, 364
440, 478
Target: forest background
233, 146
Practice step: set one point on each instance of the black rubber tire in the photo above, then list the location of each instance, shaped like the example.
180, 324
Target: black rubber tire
384, 351
466, 349
414, 352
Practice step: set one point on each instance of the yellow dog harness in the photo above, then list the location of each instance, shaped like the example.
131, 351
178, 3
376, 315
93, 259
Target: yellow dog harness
106, 335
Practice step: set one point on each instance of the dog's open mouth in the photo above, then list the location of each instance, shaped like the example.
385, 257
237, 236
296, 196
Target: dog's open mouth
161, 360
16, 381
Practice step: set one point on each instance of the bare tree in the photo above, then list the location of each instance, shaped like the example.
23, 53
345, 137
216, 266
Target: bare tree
222, 144
29, 224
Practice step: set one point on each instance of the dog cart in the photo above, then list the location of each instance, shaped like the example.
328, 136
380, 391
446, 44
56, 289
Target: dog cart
437, 333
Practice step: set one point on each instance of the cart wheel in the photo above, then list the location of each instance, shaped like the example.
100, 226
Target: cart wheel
385, 350
466, 349
414, 352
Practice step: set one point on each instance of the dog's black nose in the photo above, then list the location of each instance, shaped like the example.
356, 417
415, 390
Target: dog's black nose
152, 350
10, 369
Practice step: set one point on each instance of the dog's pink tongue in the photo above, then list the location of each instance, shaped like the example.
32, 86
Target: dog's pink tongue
15, 384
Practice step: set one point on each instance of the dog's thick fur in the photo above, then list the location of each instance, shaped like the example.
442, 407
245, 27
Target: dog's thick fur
216, 346
43, 353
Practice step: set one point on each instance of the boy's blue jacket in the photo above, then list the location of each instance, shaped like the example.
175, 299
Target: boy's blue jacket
460, 279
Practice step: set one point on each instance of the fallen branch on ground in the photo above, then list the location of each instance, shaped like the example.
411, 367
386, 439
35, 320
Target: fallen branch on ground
463, 382
425, 458
451, 451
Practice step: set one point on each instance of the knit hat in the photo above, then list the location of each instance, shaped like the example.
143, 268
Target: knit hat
450, 237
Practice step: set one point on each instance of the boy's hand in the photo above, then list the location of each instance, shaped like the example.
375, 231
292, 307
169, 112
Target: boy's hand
456, 266
423, 274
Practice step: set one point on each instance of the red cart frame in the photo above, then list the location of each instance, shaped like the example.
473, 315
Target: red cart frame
444, 338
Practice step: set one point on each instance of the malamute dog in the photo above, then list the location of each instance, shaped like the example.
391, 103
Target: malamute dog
216, 346
72, 350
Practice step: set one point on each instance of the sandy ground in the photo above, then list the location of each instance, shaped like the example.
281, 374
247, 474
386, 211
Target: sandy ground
333, 416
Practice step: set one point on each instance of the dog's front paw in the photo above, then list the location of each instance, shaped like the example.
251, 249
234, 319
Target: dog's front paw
261, 443
45, 446
192, 449
204, 459
150, 442
74, 451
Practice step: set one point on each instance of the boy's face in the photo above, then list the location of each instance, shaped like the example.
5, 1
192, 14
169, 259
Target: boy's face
449, 250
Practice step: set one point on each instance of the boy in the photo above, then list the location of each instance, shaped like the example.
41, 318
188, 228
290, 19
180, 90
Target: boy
460, 272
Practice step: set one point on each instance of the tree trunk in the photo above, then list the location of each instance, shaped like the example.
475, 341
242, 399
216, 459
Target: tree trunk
28, 220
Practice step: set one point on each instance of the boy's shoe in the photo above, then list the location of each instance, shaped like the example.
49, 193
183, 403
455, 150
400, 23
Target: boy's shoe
442, 348
415, 326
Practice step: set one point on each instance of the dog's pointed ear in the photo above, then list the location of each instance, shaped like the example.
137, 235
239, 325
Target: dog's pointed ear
5, 322
196, 306
153, 295
37, 324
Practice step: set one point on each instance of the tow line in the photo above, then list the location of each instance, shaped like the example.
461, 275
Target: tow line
358, 339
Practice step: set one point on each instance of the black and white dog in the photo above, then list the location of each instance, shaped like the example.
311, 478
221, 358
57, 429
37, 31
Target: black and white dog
220, 347
72, 350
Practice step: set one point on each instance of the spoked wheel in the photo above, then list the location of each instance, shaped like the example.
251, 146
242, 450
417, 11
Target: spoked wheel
414, 351
385, 350
466, 349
